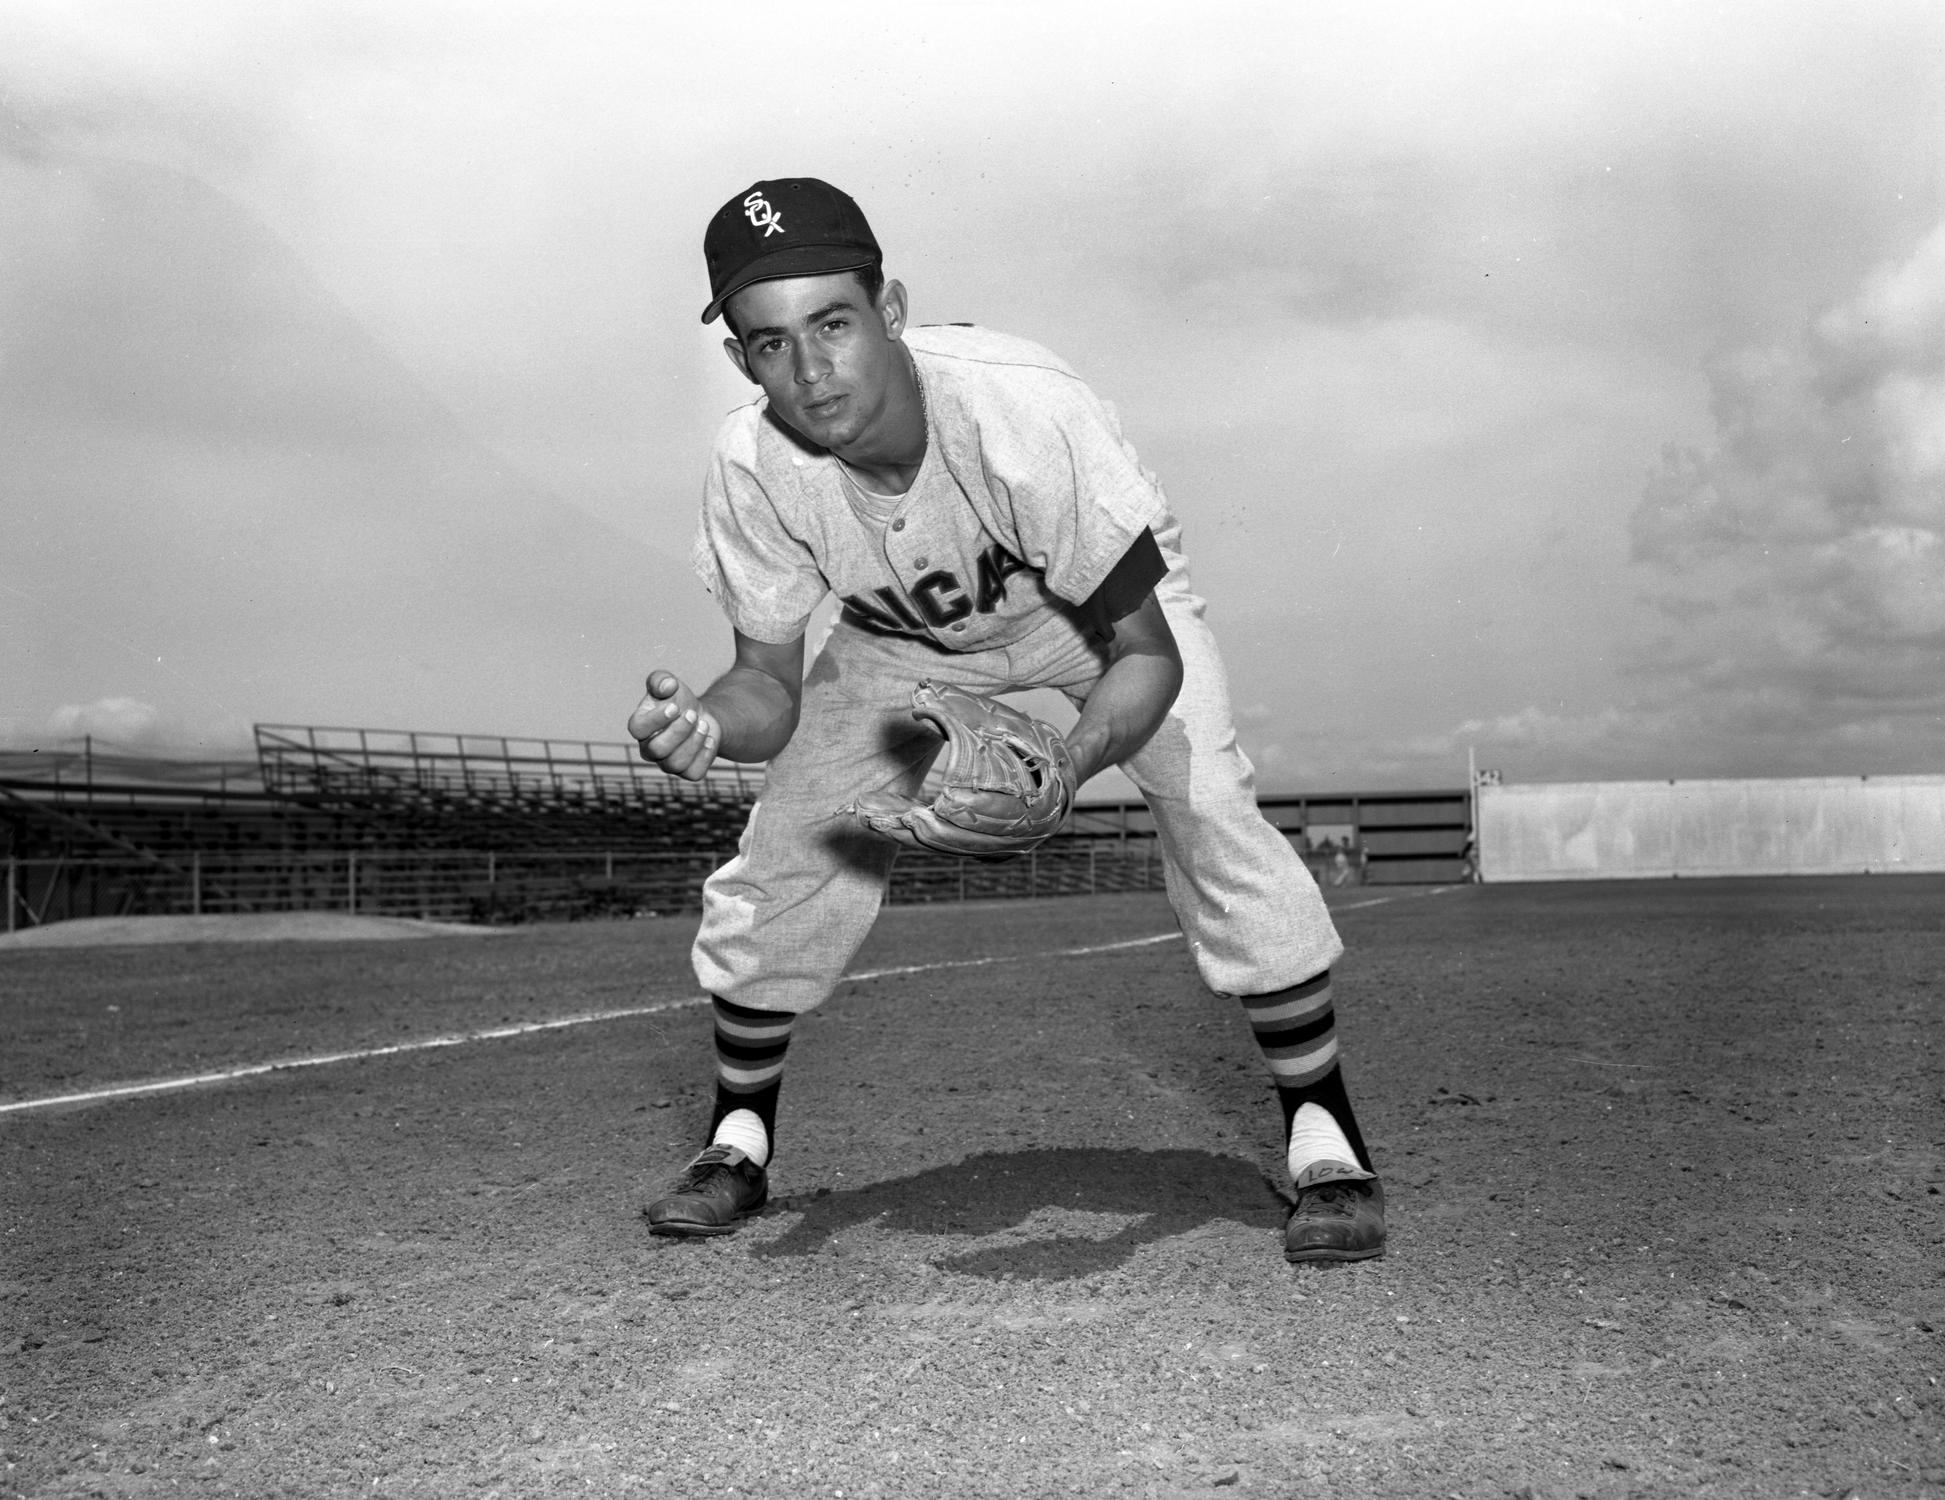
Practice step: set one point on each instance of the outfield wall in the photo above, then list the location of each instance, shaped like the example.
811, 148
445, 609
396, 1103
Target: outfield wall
1619, 830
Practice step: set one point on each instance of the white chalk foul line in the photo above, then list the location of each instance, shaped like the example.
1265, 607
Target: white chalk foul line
522, 1028
1437, 890
562, 1023
1015, 958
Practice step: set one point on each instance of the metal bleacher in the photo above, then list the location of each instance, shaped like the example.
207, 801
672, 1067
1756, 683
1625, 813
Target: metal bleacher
456, 791
472, 827
497, 828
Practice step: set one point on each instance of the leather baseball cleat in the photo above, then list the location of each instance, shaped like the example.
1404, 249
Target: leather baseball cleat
1338, 1219
721, 1186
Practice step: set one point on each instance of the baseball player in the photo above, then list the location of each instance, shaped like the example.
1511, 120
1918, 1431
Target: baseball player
988, 529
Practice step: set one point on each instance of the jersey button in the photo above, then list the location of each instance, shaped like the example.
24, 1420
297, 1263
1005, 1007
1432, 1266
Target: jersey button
918, 563
899, 524
960, 626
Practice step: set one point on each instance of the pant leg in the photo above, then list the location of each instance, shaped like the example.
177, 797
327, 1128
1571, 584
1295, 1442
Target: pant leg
784, 917
1251, 911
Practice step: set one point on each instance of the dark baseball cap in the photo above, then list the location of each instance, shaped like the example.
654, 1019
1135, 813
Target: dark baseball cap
784, 226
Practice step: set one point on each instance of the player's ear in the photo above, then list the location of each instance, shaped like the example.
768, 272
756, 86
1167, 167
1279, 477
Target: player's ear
734, 349
891, 307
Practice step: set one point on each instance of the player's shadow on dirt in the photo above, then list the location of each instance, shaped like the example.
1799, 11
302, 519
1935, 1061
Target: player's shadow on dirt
1158, 1194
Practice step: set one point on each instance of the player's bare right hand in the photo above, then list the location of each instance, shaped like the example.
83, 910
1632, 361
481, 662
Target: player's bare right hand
673, 729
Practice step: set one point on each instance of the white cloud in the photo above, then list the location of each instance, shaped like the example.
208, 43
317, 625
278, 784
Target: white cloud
125, 723
1798, 564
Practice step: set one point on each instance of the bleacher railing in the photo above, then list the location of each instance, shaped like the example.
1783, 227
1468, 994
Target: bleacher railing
299, 760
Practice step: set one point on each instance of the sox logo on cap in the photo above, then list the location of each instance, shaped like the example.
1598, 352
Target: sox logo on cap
757, 209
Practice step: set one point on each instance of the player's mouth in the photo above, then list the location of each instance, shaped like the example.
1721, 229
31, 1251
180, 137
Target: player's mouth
823, 407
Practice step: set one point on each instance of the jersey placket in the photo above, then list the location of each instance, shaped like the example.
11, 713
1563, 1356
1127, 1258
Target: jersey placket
926, 560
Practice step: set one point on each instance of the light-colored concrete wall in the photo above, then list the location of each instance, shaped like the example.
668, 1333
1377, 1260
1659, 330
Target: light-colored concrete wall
1613, 830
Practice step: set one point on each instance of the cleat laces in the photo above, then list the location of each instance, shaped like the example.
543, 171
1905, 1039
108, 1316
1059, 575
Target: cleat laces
704, 1169
1336, 1199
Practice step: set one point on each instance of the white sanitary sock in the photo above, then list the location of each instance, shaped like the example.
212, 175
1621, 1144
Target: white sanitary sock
1316, 1136
742, 1129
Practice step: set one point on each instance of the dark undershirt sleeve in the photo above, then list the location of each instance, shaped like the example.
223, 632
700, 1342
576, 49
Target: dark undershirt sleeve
1127, 584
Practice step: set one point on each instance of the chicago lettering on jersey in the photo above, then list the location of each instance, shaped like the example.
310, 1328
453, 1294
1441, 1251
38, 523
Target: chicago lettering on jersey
939, 598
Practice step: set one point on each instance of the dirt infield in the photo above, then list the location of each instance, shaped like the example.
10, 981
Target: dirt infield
252, 927
1663, 1160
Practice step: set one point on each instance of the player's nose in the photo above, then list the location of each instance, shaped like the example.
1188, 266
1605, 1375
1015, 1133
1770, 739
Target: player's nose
810, 364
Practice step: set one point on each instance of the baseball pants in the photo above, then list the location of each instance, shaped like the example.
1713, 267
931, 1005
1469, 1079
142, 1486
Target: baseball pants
784, 917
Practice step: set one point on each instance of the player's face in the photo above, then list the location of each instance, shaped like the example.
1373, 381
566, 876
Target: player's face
825, 357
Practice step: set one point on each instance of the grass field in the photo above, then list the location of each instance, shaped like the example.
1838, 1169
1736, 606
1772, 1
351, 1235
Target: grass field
1664, 1164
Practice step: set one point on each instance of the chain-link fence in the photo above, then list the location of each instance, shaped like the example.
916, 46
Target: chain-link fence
498, 888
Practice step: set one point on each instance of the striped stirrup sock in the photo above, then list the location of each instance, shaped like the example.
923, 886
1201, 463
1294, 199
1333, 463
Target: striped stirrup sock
1297, 1030
750, 1047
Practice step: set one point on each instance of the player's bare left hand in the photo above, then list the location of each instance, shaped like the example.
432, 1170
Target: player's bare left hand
673, 729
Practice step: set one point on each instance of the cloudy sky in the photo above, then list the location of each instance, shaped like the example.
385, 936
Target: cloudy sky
1562, 383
